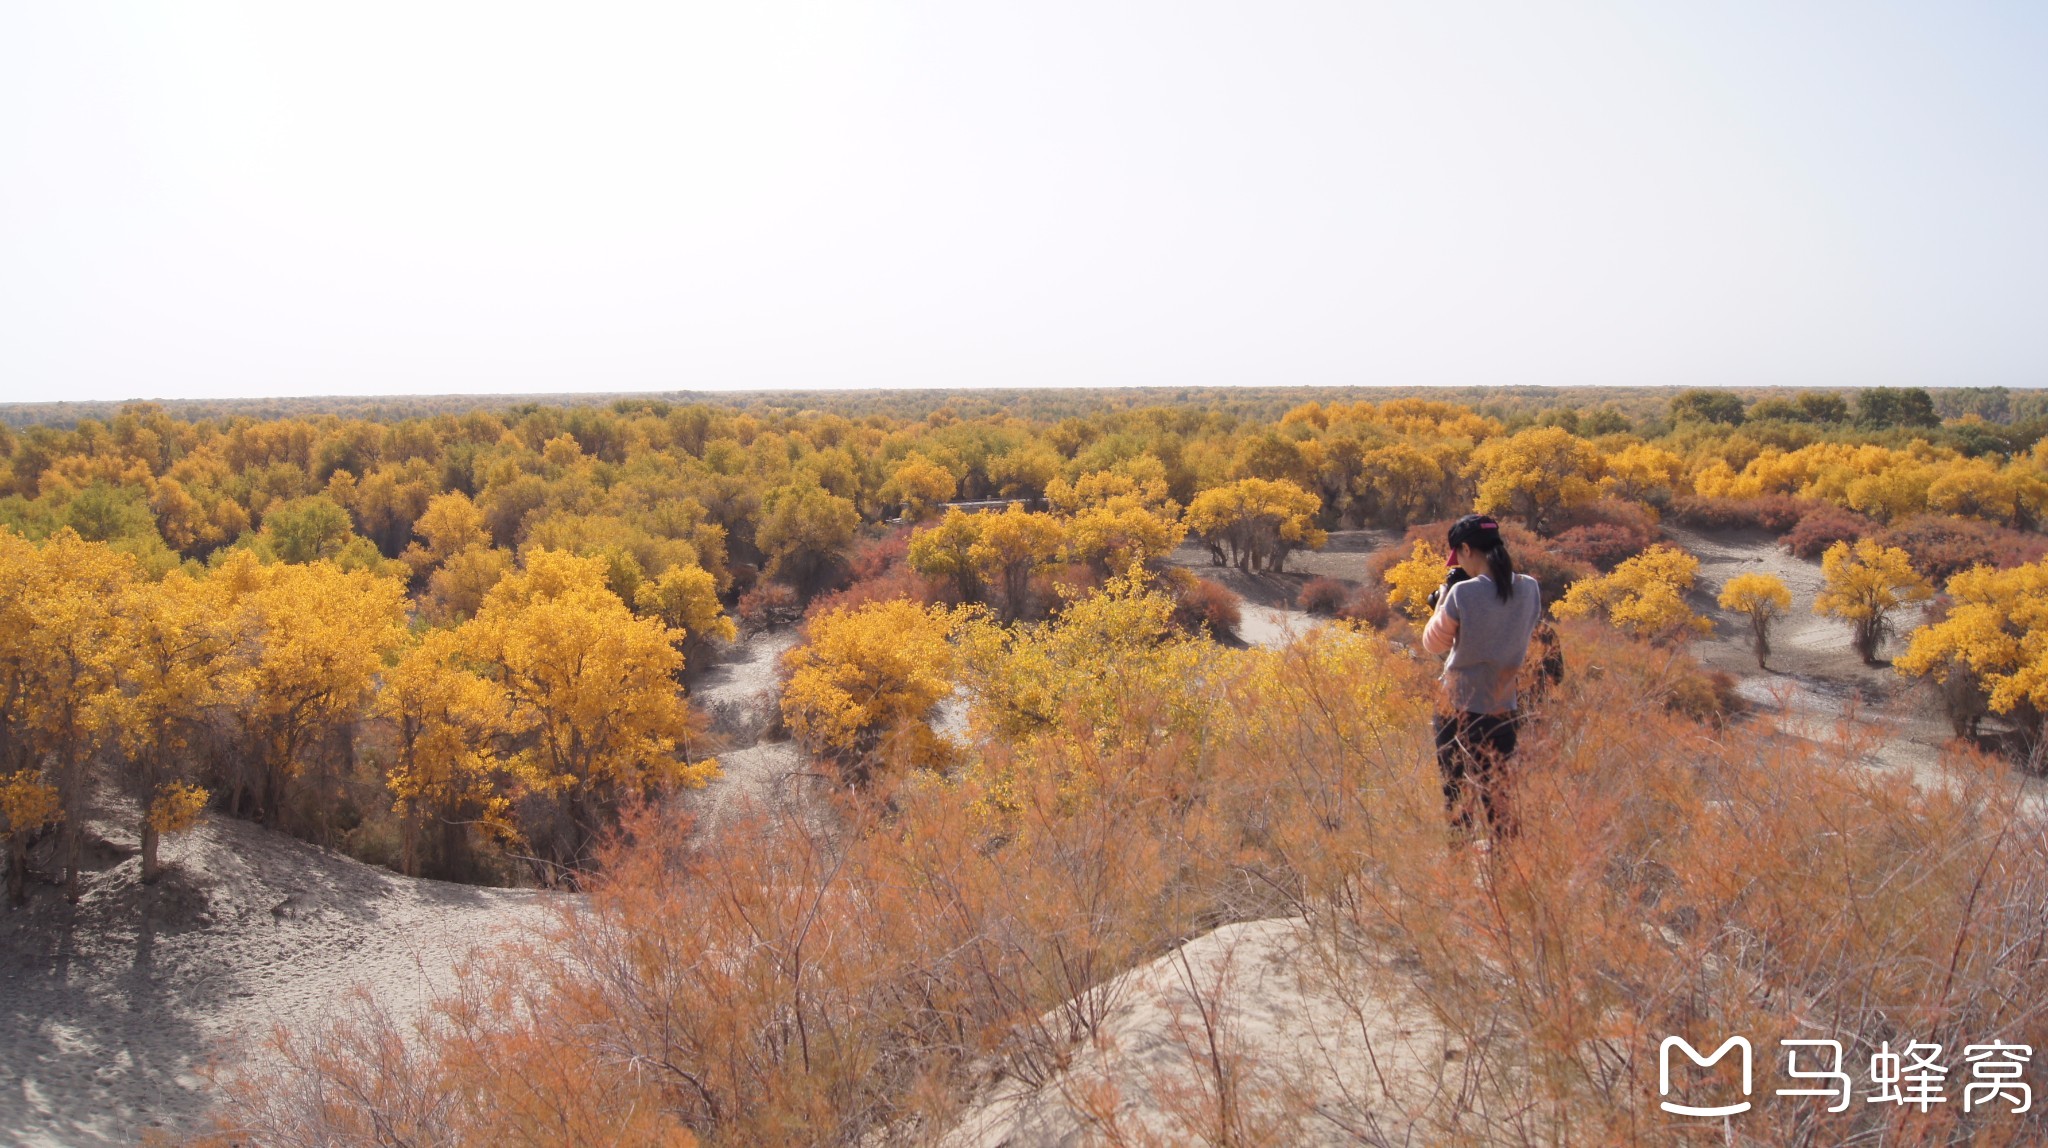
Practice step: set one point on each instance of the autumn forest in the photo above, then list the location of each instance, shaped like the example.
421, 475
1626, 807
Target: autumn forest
465, 643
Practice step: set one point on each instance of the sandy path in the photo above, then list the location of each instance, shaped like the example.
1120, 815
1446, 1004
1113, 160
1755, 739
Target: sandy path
108, 1010
741, 694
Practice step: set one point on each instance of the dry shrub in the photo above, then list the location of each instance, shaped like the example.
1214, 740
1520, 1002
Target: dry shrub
1368, 604
1775, 513
1202, 606
1324, 597
893, 583
1603, 545
1824, 526
1632, 517
875, 557
768, 605
1942, 546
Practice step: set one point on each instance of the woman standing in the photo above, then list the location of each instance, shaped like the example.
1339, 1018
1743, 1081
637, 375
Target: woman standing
1484, 616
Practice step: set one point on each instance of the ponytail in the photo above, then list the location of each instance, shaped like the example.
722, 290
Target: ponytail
1501, 568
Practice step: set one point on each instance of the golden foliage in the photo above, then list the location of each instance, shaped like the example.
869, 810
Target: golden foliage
685, 598
946, 550
1013, 546
1411, 580
1994, 637
309, 641
1082, 670
866, 678
176, 807
1258, 520
919, 485
1644, 596
1762, 598
448, 722
27, 803
1865, 584
590, 692
1536, 473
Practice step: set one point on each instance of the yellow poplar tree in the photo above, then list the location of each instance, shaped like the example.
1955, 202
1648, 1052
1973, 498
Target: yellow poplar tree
861, 685
594, 706
444, 774
685, 599
1865, 584
450, 525
1644, 596
1258, 520
920, 485
946, 550
1638, 471
27, 803
1762, 598
1990, 652
1535, 474
174, 644
1017, 544
309, 642
64, 653
1083, 668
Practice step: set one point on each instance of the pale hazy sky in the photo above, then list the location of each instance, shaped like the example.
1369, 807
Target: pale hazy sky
206, 199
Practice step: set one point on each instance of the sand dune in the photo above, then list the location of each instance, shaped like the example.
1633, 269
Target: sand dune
109, 1009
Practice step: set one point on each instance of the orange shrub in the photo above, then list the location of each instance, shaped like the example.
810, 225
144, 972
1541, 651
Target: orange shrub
1202, 606
1323, 596
1942, 545
1824, 526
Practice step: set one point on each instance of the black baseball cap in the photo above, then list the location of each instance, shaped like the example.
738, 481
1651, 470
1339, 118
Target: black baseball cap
1474, 529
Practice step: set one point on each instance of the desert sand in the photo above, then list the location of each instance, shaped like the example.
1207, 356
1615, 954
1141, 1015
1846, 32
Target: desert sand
109, 1009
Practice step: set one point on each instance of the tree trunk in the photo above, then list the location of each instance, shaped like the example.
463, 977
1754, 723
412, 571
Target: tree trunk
1762, 627
150, 869
17, 869
69, 843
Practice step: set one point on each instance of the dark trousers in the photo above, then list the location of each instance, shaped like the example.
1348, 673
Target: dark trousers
1472, 750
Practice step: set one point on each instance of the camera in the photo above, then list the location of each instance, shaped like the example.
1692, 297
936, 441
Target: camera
1451, 579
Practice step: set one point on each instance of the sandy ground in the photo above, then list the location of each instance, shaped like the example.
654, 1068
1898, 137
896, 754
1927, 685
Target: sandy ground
1357, 1066
1814, 680
760, 770
1270, 619
108, 1009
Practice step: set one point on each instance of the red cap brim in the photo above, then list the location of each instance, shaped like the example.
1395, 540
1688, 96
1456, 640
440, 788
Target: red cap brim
1451, 562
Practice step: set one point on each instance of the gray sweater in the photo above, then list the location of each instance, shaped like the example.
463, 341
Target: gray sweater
1492, 640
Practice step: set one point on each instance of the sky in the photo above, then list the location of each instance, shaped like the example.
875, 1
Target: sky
203, 200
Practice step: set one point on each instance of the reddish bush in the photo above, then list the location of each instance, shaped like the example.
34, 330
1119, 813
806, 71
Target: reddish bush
1633, 517
1324, 597
874, 557
1202, 605
895, 582
1823, 527
1602, 545
1776, 513
768, 605
1368, 604
1942, 546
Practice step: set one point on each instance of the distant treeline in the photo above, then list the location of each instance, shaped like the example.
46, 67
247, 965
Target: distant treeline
1993, 404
